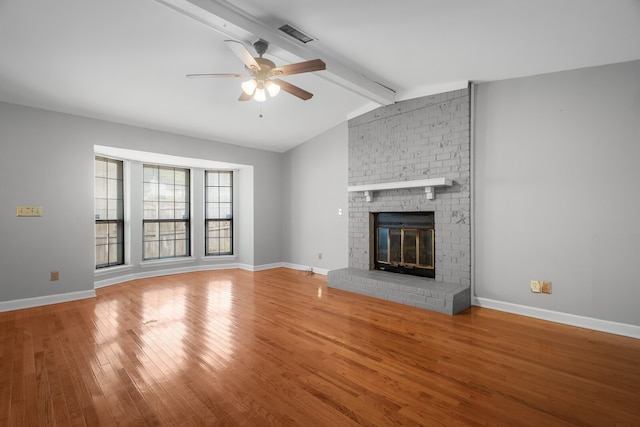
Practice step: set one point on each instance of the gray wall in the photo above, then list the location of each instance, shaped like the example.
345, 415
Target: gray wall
315, 188
44, 163
46, 159
556, 197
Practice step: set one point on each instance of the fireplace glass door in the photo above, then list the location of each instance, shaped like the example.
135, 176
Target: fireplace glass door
407, 247
404, 243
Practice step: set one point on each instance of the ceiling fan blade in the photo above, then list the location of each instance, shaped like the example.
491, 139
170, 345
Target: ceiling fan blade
244, 97
293, 90
243, 53
198, 76
300, 67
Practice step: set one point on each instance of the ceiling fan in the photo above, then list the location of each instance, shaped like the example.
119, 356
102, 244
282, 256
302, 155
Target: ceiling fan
262, 72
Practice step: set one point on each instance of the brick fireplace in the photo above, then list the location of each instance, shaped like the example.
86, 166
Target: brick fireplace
412, 156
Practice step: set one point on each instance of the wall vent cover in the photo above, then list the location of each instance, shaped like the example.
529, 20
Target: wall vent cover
291, 31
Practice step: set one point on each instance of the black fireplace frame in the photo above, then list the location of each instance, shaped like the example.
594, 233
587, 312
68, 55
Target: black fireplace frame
422, 222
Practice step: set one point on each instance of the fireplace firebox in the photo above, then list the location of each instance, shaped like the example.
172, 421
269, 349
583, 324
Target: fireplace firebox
403, 242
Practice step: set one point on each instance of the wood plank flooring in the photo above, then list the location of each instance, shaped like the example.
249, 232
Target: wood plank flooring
234, 348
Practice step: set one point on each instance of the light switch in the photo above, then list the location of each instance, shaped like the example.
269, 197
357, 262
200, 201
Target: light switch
29, 211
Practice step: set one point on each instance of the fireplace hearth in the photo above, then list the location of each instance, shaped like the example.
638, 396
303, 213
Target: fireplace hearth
403, 242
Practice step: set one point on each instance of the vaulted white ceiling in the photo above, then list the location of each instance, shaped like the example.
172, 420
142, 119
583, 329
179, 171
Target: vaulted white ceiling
126, 60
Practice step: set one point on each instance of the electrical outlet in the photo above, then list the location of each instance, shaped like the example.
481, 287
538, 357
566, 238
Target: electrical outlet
55, 275
319, 255
546, 287
29, 211
535, 286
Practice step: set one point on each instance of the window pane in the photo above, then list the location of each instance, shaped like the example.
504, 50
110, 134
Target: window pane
212, 179
150, 210
100, 166
150, 174
151, 250
225, 229
114, 171
213, 246
167, 210
102, 255
181, 176
225, 210
213, 194
167, 176
167, 231
225, 194
113, 253
167, 248
150, 191
112, 189
113, 233
101, 208
181, 248
212, 210
101, 188
102, 233
180, 230
181, 211
180, 193
219, 241
151, 231
225, 179
113, 209
166, 192
213, 229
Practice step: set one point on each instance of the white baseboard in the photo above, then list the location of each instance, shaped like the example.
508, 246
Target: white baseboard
261, 267
559, 317
316, 270
19, 304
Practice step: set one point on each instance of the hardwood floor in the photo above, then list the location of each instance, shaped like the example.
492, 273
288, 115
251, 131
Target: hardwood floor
279, 348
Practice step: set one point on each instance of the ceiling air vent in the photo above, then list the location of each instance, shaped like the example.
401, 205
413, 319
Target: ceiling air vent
295, 33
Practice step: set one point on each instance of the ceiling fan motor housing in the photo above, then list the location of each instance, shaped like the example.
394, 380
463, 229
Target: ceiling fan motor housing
261, 47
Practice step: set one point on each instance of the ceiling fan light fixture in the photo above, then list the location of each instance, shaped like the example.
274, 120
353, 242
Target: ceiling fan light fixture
260, 95
249, 86
272, 88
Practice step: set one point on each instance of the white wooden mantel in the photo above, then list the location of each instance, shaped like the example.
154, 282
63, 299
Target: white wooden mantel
428, 184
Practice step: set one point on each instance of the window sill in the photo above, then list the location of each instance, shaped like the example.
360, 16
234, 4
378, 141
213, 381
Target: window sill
167, 261
213, 258
111, 270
